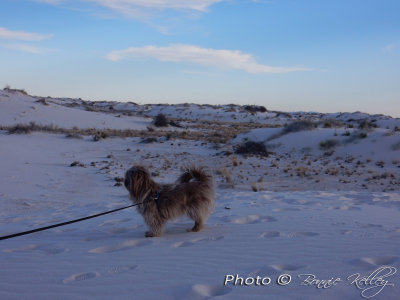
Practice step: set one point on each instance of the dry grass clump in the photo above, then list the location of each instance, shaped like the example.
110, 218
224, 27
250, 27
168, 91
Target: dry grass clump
225, 174
100, 135
28, 128
252, 148
357, 135
328, 144
42, 101
366, 124
333, 171
10, 90
302, 171
255, 187
20, 129
73, 136
333, 123
149, 140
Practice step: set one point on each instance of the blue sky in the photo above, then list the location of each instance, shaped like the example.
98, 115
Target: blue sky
309, 55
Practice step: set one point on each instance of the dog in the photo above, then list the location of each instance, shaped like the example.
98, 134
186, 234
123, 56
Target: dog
191, 195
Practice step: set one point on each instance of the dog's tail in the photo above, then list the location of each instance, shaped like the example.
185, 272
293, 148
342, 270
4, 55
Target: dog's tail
195, 174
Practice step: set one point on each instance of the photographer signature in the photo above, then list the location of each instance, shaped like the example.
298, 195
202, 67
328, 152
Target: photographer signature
372, 284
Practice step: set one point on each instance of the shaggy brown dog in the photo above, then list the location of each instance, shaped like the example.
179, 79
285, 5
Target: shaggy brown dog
191, 195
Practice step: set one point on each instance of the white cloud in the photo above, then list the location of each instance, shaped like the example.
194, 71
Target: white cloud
50, 1
26, 48
135, 8
226, 59
22, 35
199, 5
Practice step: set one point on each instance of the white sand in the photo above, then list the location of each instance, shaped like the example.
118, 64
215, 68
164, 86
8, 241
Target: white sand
328, 229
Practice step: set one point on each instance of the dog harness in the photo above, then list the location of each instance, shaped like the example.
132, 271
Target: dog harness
156, 198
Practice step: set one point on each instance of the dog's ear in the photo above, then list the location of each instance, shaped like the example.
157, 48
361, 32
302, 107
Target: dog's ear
128, 179
141, 178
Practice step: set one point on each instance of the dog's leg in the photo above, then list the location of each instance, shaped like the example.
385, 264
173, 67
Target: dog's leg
198, 225
156, 229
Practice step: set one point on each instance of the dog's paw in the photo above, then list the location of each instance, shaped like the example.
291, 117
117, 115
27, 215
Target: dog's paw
149, 234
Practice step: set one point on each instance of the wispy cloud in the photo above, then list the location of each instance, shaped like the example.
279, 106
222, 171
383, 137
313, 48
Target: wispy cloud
22, 35
136, 8
391, 47
178, 53
26, 48
199, 5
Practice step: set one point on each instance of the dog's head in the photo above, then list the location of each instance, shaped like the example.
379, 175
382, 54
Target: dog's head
137, 181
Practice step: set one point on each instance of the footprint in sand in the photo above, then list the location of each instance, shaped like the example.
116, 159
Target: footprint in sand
201, 291
368, 262
121, 269
195, 241
119, 247
302, 234
286, 209
252, 219
47, 249
269, 234
22, 248
90, 275
81, 277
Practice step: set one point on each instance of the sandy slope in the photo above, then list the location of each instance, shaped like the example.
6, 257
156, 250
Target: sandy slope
327, 228
18, 108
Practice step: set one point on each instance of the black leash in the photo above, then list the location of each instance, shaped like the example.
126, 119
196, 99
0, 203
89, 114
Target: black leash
65, 223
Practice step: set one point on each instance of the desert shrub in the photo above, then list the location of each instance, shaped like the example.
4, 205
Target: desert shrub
9, 89
23, 128
356, 136
362, 135
160, 120
100, 135
298, 126
329, 123
73, 136
328, 144
252, 148
395, 146
175, 124
255, 108
149, 140
333, 171
365, 124
302, 171
254, 187
77, 164
42, 101
19, 129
